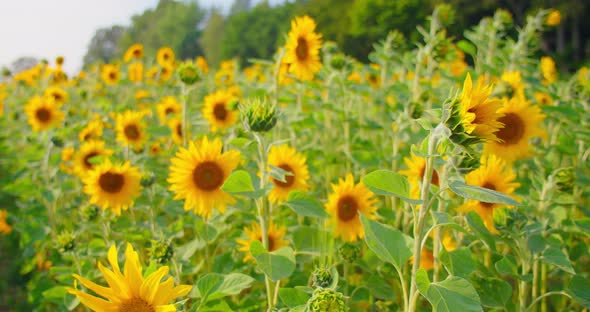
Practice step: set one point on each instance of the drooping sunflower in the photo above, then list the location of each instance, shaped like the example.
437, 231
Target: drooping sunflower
135, 71
522, 122
288, 159
59, 95
479, 112
112, 186
303, 48
415, 174
175, 125
511, 85
110, 74
134, 52
275, 236
92, 131
493, 174
168, 106
92, 148
345, 204
43, 113
218, 110
130, 128
129, 290
165, 56
197, 174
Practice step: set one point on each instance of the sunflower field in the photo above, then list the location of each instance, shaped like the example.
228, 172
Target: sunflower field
446, 175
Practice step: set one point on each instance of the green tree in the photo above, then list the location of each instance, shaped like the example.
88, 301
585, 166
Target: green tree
104, 45
211, 38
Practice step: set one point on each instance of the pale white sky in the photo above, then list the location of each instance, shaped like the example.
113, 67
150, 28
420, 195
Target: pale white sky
48, 28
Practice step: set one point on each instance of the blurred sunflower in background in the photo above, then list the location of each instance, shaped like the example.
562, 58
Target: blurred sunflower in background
415, 174
288, 159
43, 113
219, 110
130, 128
511, 85
197, 174
274, 233
134, 52
59, 95
522, 122
493, 174
175, 125
479, 112
202, 64
110, 74
345, 204
112, 186
92, 131
303, 48
88, 150
5, 228
165, 56
129, 290
548, 70
167, 107
135, 71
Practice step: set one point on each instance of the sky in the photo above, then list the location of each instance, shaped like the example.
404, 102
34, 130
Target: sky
49, 28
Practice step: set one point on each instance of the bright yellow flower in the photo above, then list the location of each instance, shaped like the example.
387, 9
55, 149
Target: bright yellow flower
202, 64
168, 106
110, 74
553, 18
135, 71
67, 153
512, 85
5, 228
175, 125
89, 149
548, 70
219, 110
290, 160
275, 236
92, 131
303, 48
479, 112
415, 174
43, 113
543, 98
59, 95
134, 52
130, 128
165, 56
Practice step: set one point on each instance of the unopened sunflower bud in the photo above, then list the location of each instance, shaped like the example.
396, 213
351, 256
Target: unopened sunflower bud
83, 93
322, 278
503, 16
58, 142
349, 252
565, 179
189, 73
147, 180
446, 14
6, 72
89, 212
338, 61
416, 110
161, 251
330, 47
66, 241
326, 300
259, 116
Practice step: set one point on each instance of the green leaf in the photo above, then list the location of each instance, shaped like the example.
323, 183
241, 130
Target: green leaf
506, 265
380, 288
304, 205
579, 289
276, 265
467, 47
493, 292
188, 250
387, 243
475, 223
389, 183
57, 292
208, 284
482, 194
459, 262
232, 284
279, 174
558, 258
583, 224
292, 297
536, 243
240, 183
451, 295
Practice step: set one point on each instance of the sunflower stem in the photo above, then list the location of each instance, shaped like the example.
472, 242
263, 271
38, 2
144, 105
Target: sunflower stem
184, 99
437, 240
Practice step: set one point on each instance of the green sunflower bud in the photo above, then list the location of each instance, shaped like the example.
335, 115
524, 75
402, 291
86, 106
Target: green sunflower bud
416, 110
446, 14
6, 72
147, 180
58, 142
161, 251
503, 17
89, 212
259, 116
326, 300
338, 61
66, 241
349, 252
565, 178
453, 121
322, 278
189, 73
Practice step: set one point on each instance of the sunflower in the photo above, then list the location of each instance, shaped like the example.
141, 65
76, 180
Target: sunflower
202, 64
284, 77
166, 72
289, 160
479, 114
553, 18
112, 186
129, 290
155, 149
92, 131
67, 153
521, 123
134, 52
197, 174
275, 236
415, 174
110, 74
511, 85
175, 125
93, 148
493, 174
5, 228
168, 106
426, 259
543, 98
130, 128
43, 113
373, 77
218, 110
165, 56
548, 70
345, 203
303, 48
135, 71
58, 94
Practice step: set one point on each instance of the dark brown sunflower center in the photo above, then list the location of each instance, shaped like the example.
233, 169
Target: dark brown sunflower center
43, 114
271, 243
169, 110
513, 129
347, 208
166, 56
131, 132
433, 180
113, 75
489, 186
289, 179
111, 182
179, 130
302, 50
208, 176
219, 111
137, 53
136, 305
57, 96
88, 157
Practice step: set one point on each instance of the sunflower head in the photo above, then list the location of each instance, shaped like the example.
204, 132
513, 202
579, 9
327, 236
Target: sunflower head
110, 74
511, 85
134, 52
259, 115
59, 95
84, 157
135, 71
112, 186
345, 204
5, 228
275, 239
220, 110
479, 114
165, 56
202, 64
548, 70
289, 160
130, 128
168, 107
92, 131
415, 173
129, 290
553, 18
326, 300
303, 48
188, 73
175, 125
197, 174
43, 113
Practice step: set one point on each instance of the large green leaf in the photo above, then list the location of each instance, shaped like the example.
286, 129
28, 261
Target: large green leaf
475, 223
387, 243
240, 183
493, 292
459, 262
389, 183
276, 265
451, 295
558, 258
579, 289
482, 194
214, 285
305, 205
292, 297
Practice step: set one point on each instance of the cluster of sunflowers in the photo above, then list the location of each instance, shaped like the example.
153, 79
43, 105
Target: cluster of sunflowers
309, 182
